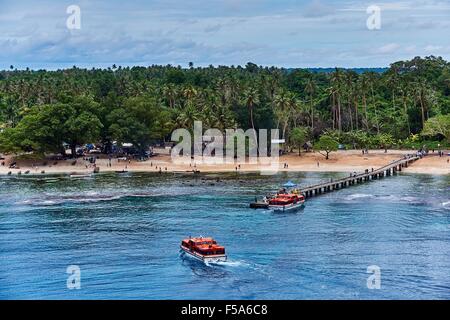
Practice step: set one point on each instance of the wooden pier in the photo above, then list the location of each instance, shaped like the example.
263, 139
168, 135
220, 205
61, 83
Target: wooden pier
354, 179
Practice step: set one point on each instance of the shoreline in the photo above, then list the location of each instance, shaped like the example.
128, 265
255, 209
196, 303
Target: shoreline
347, 161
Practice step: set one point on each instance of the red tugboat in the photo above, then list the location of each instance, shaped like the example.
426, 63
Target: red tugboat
286, 202
204, 249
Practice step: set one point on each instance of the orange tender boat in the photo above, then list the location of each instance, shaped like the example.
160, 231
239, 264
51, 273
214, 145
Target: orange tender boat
204, 249
286, 202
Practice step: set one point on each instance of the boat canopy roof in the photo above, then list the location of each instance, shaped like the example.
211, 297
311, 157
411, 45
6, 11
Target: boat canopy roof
289, 184
200, 241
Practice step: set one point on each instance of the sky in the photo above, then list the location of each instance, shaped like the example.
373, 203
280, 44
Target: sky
283, 33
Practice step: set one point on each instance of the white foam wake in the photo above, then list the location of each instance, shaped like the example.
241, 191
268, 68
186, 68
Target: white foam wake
356, 196
229, 263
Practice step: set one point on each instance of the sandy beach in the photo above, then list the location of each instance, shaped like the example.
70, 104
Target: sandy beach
341, 161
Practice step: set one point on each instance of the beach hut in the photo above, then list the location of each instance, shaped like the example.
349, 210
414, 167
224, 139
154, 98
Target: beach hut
307, 146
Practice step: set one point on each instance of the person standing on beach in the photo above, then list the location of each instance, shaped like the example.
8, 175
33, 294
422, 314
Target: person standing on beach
318, 164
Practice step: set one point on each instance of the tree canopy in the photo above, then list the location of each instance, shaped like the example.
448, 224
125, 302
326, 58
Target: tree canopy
298, 137
40, 110
439, 125
326, 145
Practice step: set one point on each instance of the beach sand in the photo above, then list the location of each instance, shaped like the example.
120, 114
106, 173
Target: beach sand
341, 161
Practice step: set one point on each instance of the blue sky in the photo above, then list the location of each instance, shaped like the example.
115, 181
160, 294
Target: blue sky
288, 33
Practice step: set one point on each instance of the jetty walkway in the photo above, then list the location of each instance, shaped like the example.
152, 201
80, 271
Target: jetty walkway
354, 179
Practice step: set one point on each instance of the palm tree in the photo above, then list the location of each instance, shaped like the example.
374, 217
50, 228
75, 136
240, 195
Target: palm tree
336, 79
298, 109
349, 89
170, 93
404, 90
187, 116
251, 97
363, 86
223, 89
425, 96
209, 116
372, 79
282, 100
392, 81
311, 89
225, 118
274, 83
10, 112
285, 108
189, 93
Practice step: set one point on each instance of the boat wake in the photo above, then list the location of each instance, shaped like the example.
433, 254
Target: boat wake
395, 199
387, 198
358, 196
446, 204
228, 263
90, 197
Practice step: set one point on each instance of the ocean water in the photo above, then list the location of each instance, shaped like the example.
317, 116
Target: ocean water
123, 232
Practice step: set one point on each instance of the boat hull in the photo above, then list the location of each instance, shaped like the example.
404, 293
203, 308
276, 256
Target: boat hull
287, 208
259, 205
206, 259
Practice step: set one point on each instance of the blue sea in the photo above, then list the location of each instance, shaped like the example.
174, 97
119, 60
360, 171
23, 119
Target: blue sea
123, 233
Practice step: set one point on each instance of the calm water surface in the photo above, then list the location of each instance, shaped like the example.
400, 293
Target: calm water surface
124, 232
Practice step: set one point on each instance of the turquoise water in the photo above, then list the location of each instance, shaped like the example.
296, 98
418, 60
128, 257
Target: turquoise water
124, 232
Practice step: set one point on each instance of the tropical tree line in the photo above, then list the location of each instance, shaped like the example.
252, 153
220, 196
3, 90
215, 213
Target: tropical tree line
41, 111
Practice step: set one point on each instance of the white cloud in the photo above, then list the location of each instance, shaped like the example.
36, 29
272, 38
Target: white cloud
317, 9
322, 33
388, 48
432, 48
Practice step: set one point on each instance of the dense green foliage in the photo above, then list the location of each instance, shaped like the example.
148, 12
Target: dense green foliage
326, 145
39, 110
298, 137
439, 125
